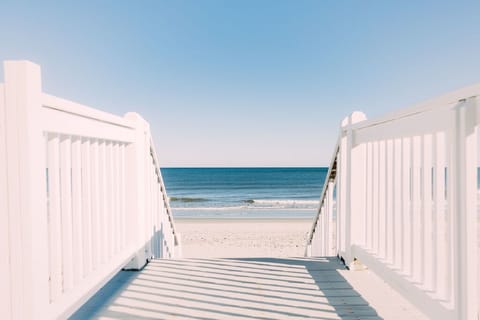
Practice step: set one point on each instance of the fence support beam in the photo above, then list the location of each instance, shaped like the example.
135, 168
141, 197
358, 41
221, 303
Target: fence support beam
137, 190
26, 188
464, 203
330, 219
352, 186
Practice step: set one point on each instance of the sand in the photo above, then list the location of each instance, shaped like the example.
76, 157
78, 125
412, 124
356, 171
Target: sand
227, 238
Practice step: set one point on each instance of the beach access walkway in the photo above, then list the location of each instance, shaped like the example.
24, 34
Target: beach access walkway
247, 288
82, 197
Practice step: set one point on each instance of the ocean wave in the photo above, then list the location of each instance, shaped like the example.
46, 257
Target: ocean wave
283, 203
187, 199
209, 208
237, 208
247, 204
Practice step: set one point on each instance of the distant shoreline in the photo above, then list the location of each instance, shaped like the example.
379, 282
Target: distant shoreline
242, 219
246, 167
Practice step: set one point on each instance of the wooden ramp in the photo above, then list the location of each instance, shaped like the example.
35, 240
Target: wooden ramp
247, 288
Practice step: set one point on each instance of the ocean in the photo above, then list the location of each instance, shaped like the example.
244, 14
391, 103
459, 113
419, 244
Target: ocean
244, 192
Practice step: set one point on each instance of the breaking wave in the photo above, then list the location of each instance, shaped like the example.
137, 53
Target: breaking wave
187, 199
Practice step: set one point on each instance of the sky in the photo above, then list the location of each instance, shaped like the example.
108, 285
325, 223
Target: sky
245, 83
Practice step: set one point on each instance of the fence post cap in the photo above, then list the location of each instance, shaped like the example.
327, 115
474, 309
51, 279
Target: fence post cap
354, 117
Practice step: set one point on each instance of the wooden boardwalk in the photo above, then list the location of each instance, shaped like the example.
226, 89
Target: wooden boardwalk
247, 288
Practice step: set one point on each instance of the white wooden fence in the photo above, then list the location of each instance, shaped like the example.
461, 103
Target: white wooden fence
405, 202
81, 196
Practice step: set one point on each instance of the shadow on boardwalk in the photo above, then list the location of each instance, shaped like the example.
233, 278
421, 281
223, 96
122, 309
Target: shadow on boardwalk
243, 288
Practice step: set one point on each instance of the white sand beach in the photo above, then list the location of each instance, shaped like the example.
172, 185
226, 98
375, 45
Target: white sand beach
223, 238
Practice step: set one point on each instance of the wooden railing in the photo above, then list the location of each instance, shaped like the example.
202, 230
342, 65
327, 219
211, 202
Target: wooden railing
81, 197
401, 198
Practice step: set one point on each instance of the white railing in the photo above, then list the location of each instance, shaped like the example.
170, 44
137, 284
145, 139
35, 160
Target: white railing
81, 197
405, 202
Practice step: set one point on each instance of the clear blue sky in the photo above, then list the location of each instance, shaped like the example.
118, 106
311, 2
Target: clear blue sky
246, 83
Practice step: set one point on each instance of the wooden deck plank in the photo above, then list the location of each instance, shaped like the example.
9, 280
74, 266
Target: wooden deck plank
246, 288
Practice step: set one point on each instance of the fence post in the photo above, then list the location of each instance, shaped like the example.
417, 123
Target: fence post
25, 160
464, 195
330, 219
351, 187
136, 192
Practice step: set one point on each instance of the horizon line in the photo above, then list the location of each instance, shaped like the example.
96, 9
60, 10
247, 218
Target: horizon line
242, 167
